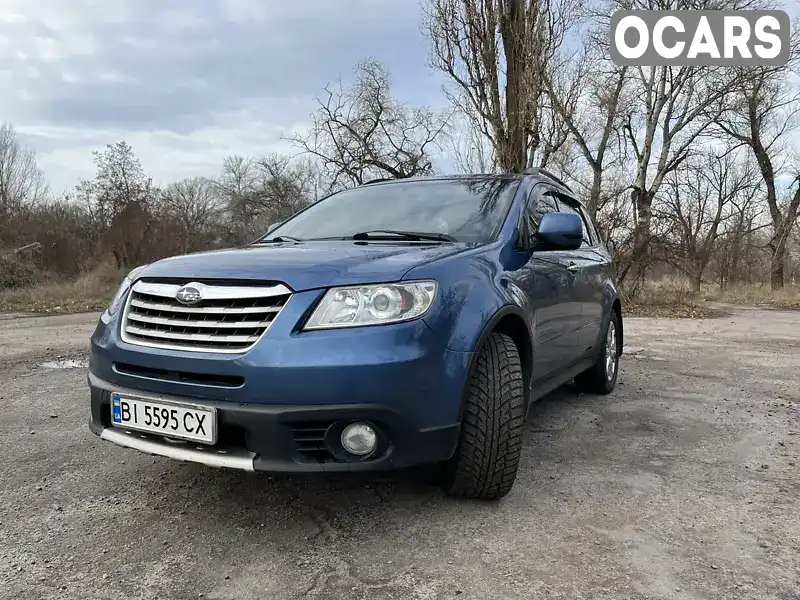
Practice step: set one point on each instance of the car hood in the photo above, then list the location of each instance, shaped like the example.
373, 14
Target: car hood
306, 265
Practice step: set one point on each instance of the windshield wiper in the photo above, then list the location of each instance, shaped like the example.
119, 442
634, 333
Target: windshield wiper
377, 234
280, 238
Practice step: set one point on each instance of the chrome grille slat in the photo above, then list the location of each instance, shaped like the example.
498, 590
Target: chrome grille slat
189, 323
228, 319
191, 337
205, 310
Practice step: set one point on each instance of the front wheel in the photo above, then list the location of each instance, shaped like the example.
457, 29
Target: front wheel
485, 462
602, 376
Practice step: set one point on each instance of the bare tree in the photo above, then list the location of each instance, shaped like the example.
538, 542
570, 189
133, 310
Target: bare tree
236, 187
196, 206
284, 187
761, 112
468, 148
119, 198
496, 53
362, 132
257, 192
672, 108
21, 180
588, 94
238, 176
793, 259
737, 245
119, 181
694, 205
554, 136
661, 131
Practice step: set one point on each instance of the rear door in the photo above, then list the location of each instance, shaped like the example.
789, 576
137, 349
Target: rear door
586, 266
599, 264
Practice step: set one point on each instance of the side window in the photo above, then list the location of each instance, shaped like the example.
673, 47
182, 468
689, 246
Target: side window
567, 207
539, 204
592, 227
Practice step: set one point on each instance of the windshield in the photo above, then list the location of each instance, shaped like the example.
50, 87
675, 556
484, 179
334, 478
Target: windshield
469, 210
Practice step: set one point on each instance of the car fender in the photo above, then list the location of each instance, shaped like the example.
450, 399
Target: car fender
491, 324
468, 297
476, 318
610, 296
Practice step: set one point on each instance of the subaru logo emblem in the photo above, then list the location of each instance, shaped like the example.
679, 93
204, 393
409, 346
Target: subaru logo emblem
189, 294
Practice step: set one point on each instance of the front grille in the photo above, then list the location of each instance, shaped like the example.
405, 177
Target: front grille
228, 318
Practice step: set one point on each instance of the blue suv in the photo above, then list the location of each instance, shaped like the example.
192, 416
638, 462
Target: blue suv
398, 323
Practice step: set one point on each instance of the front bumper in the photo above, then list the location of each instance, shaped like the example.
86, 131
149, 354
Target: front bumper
283, 438
406, 367
280, 403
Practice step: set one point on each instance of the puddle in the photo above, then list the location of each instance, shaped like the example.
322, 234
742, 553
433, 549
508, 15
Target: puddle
64, 363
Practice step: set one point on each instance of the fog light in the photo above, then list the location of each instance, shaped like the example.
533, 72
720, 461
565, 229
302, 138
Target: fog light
359, 439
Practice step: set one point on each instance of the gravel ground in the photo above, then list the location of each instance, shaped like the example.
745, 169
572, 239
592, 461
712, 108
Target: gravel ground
682, 484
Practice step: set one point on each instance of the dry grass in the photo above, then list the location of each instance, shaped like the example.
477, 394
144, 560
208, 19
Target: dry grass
673, 297
89, 292
669, 298
756, 295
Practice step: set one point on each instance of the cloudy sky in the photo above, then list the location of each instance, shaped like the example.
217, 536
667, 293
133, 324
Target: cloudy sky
187, 82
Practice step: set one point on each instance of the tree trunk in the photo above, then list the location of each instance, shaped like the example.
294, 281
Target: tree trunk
781, 223
512, 30
732, 260
117, 259
777, 265
593, 203
697, 278
641, 234
783, 229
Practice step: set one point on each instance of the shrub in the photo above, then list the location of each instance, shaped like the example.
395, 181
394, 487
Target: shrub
15, 273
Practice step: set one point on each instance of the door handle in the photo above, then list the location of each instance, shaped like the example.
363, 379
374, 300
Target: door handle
573, 268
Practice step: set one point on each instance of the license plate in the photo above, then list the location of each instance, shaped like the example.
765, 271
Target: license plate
171, 419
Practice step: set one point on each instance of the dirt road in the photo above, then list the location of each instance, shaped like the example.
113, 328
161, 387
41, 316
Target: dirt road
682, 484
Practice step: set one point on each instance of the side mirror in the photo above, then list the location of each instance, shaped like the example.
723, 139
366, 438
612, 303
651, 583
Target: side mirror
272, 226
560, 231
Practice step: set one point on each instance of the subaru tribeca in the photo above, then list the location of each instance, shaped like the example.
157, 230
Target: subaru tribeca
397, 323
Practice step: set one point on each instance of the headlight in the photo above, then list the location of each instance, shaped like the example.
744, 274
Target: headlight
123, 288
373, 304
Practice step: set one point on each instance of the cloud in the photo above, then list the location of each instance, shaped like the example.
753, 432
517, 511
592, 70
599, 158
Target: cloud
166, 154
188, 81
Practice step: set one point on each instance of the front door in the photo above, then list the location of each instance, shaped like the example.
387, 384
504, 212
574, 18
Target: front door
549, 293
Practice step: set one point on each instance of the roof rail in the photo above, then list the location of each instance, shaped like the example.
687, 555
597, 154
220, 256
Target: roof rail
545, 173
378, 180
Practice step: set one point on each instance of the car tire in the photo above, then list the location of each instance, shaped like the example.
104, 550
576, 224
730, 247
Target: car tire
485, 463
601, 378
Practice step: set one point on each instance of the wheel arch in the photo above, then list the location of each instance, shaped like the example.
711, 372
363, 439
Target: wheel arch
616, 306
508, 320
